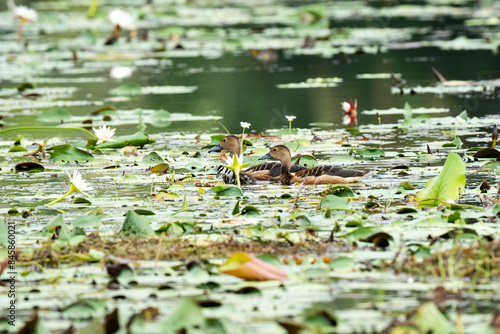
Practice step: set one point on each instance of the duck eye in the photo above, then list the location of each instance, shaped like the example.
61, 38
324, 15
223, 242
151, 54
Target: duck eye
224, 140
274, 150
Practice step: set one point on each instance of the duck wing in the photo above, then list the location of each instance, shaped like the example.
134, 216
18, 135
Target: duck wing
329, 170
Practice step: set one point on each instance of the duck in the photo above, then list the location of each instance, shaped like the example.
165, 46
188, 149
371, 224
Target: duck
313, 175
268, 171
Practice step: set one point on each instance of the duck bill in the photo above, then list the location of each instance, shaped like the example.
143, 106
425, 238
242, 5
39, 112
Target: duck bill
216, 148
267, 156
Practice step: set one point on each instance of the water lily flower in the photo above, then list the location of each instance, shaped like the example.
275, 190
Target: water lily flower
460, 120
290, 118
24, 14
121, 72
245, 125
121, 20
235, 163
104, 134
77, 184
350, 112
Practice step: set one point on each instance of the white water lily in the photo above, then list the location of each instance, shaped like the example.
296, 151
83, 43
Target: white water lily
235, 163
245, 125
120, 18
77, 184
104, 134
25, 13
460, 120
290, 118
121, 72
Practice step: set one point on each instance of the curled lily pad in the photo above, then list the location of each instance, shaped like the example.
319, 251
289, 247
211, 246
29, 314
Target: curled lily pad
487, 153
379, 239
160, 169
137, 139
250, 268
31, 167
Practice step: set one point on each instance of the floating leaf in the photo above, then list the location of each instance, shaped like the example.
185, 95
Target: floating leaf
136, 224
161, 119
106, 110
160, 169
250, 211
55, 115
151, 159
3, 233
31, 167
227, 190
87, 221
137, 139
334, 202
68, 152
370, 152
430, 320
127, 89
448, 185
379, 239
250, 268
187, 314
487, 153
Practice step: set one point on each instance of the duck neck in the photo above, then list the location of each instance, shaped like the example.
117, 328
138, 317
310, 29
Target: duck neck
285, 176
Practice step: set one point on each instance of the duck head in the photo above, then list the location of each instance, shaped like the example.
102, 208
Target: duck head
229, 143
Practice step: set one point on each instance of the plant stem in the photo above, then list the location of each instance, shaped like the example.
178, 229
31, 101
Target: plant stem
61, 198
227, 131
49, 128
242, 136
237, 172
289, 131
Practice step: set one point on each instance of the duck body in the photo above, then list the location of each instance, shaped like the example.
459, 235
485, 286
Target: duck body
313, 175
267, 171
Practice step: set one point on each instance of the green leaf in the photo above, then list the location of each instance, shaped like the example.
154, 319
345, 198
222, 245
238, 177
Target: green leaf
227, 190
448, 185
370, 152
137, 225
408, 112
187, 314
137, 139
152, 159
430, 320
3, 233
48, 230
306, 160
55, 115
161, 119
463, 115
15, 149
68, 152
127, 89
87, 221
250, 210
334, 202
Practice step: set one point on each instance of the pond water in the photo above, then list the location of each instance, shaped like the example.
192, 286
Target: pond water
354, 262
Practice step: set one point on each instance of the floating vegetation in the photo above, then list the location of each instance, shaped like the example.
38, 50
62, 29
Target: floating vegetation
115, 216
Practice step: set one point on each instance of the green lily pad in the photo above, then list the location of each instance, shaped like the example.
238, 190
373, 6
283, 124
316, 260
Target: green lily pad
137, 225
68, 152
227, 190
137, 139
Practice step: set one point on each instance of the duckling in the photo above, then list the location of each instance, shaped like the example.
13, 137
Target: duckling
313, 175
264, 171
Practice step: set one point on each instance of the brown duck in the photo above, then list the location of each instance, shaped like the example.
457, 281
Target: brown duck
265, 171
313, 175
